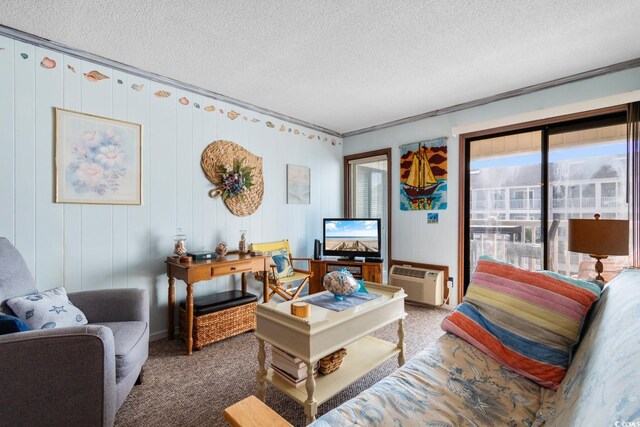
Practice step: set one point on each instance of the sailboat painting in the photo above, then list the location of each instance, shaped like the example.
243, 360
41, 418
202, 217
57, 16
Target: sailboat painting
423, 175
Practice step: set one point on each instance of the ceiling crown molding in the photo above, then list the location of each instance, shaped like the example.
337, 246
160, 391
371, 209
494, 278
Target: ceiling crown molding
76, 53
48, 44
632, 63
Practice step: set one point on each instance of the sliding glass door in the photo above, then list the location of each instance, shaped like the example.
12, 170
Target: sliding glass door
505, 210
521, 187
587, 175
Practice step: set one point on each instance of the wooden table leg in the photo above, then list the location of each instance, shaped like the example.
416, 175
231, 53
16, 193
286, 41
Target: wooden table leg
189, 325
265, 286
310, 405
171, 301
244, 282
401, 342
262, 372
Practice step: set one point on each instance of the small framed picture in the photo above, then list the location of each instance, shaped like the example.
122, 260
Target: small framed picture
298, 185
432, 218
98, 160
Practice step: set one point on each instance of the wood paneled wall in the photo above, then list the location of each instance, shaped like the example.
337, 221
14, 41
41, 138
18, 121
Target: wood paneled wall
89, 247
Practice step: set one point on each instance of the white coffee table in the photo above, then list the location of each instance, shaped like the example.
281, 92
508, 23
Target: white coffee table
324, 332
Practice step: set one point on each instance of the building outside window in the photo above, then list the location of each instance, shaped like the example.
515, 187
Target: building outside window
586, 173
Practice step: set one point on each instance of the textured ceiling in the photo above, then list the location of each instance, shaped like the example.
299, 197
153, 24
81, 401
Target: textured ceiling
345, 65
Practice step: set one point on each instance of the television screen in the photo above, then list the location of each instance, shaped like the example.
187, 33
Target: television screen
354, 237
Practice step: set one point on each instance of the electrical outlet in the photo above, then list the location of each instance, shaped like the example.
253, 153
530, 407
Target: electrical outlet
450, 282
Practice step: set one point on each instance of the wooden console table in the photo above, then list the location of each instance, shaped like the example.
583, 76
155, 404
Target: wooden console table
369, 271
197, 271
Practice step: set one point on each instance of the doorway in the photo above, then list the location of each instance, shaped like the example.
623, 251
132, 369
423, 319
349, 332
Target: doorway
521, 186
367, 192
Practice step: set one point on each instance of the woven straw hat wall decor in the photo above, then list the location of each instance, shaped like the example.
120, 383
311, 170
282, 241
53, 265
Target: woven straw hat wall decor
237, 173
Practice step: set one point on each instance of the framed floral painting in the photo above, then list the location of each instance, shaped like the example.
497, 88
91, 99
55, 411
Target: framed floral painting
98, 160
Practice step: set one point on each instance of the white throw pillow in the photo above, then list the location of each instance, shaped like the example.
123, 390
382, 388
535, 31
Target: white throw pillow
47, 310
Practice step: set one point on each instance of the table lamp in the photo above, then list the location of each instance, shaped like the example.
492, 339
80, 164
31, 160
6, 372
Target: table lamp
599, 238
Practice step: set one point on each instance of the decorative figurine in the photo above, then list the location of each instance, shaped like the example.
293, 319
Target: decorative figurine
180, 248
340, 283
243, 248
221, 249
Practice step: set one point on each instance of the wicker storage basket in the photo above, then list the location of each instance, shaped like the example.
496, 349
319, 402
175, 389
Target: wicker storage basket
212, 327
331, 362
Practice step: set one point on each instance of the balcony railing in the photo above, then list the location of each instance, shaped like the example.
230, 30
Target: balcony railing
479, 204
588, 202
518, 203
531, 204
525, 203
610, 202
535, 204
520, 243
581, 202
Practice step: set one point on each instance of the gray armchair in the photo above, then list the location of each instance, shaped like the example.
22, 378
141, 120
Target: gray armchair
74, 376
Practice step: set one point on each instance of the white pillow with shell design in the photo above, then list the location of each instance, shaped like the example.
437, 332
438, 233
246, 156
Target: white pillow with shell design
47, 310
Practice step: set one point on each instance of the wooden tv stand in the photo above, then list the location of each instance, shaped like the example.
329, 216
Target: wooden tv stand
369, 271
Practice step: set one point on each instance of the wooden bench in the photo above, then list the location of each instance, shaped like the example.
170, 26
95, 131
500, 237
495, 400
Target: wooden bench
252, 412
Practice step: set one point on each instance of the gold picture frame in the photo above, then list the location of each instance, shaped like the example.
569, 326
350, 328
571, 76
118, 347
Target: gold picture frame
98, 160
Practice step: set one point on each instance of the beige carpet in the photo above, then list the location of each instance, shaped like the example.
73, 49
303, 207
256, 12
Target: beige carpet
193, 391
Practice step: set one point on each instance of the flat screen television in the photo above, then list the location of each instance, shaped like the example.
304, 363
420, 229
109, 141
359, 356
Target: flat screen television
351, 237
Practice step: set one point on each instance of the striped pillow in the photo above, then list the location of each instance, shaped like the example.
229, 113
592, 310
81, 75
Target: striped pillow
528, 321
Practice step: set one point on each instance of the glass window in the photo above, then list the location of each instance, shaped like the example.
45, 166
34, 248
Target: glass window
368, 194
586, 174
609, 194
592, 164
504, 181
518, 199
559, 196
497, 198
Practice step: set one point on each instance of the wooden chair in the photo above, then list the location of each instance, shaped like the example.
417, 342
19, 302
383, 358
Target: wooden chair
283, 276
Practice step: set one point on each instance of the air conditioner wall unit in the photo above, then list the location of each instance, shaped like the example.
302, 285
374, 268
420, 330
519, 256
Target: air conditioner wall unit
422, 286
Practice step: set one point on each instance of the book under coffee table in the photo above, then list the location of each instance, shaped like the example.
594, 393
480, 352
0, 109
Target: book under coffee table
324, 332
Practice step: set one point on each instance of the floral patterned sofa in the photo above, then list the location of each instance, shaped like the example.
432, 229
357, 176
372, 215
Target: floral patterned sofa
453, 383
